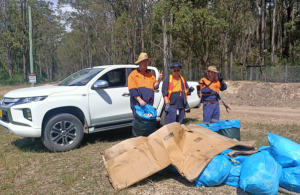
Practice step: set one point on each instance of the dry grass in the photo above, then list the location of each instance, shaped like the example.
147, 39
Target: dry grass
26, 167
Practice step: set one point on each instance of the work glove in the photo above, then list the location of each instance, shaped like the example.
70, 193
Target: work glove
220, 78
191, 89
167, 107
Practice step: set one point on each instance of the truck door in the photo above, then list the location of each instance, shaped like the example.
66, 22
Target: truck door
112, 104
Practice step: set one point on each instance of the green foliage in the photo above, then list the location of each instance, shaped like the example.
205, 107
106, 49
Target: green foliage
109, 32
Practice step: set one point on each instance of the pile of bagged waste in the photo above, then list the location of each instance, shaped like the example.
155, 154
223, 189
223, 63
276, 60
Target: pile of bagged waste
261, 173
200, 154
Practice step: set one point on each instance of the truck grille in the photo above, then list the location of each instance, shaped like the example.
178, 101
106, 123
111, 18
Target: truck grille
5, 117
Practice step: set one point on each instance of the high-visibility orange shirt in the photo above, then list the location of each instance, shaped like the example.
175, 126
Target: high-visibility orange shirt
141, 84
177, 85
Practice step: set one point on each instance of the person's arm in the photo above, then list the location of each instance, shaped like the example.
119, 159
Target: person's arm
160, 76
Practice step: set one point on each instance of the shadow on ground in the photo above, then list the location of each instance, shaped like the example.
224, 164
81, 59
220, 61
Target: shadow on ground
35, 145
107, 136
30, 145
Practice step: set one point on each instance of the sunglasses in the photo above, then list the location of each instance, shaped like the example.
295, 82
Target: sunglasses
178, 70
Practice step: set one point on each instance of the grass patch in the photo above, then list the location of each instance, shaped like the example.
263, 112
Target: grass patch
27, 167
258, 132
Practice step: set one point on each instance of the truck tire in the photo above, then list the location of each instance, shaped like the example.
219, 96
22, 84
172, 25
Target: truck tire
62, 132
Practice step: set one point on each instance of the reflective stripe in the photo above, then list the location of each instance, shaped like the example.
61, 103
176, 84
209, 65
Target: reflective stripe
171, 87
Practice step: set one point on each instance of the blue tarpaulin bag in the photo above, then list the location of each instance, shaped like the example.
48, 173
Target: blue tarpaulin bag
284, 151
215, 172
290, 179
235, 172
212, 126
230, 129
227, 128
147, 109
144, 125
260, 174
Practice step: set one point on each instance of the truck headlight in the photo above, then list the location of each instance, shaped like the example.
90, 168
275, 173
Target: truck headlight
31, 99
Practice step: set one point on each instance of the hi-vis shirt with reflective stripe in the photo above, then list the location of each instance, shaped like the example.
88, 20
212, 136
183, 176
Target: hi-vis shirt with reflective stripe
171, 87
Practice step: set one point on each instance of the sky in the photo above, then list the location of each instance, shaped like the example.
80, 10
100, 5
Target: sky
64, 9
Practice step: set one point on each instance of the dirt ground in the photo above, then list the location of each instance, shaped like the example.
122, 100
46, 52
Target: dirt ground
262, 94
27, 167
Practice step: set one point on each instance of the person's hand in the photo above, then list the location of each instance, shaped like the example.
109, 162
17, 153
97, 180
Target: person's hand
191, 89
220, 78
160, 75
142, 102
167, 107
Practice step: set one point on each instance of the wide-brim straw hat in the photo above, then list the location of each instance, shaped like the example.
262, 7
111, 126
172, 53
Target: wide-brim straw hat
143, 56
212, 68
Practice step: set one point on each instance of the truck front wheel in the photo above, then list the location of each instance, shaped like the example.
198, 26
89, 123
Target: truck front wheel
62, 132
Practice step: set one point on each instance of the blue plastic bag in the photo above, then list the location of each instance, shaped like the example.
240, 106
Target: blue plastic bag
290, 179
260, 174
226, 124
284, 151
266, 149
235, 172
222, 124
147, 109
215, 172
211, 126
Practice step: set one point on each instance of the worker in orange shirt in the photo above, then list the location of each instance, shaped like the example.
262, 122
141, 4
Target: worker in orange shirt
175, 92
141, 83
210, 87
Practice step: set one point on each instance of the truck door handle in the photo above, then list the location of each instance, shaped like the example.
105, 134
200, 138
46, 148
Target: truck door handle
156, 90
126, 94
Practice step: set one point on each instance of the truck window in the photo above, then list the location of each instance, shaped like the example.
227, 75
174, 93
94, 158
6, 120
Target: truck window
115, 78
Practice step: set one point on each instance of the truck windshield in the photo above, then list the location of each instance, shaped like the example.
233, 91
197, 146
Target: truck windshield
80, 78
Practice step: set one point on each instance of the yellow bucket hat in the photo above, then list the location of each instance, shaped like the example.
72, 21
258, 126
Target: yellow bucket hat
143, 56
212, 68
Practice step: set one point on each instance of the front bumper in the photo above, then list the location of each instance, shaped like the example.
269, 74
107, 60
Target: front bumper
19, 130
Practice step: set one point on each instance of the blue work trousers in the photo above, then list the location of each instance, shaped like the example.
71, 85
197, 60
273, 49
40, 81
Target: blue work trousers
173, 117
211, 112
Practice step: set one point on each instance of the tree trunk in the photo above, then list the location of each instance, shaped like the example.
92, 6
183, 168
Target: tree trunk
258, 46
134, 42
40, 75
273, 32
9, 60
225, 59
231, 62
23, 15
263, 9
142, 26
165, 41
170, 44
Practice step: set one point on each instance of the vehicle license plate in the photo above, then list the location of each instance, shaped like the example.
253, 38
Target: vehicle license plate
1, 115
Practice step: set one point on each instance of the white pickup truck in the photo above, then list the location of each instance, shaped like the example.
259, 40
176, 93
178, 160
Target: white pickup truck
91, 100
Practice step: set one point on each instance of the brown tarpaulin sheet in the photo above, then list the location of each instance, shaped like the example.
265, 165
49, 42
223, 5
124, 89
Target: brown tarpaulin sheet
189, 149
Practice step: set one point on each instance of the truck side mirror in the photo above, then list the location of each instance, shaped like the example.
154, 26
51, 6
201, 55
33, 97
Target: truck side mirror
100, 84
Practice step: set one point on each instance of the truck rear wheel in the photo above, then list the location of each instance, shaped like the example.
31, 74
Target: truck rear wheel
62, 132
